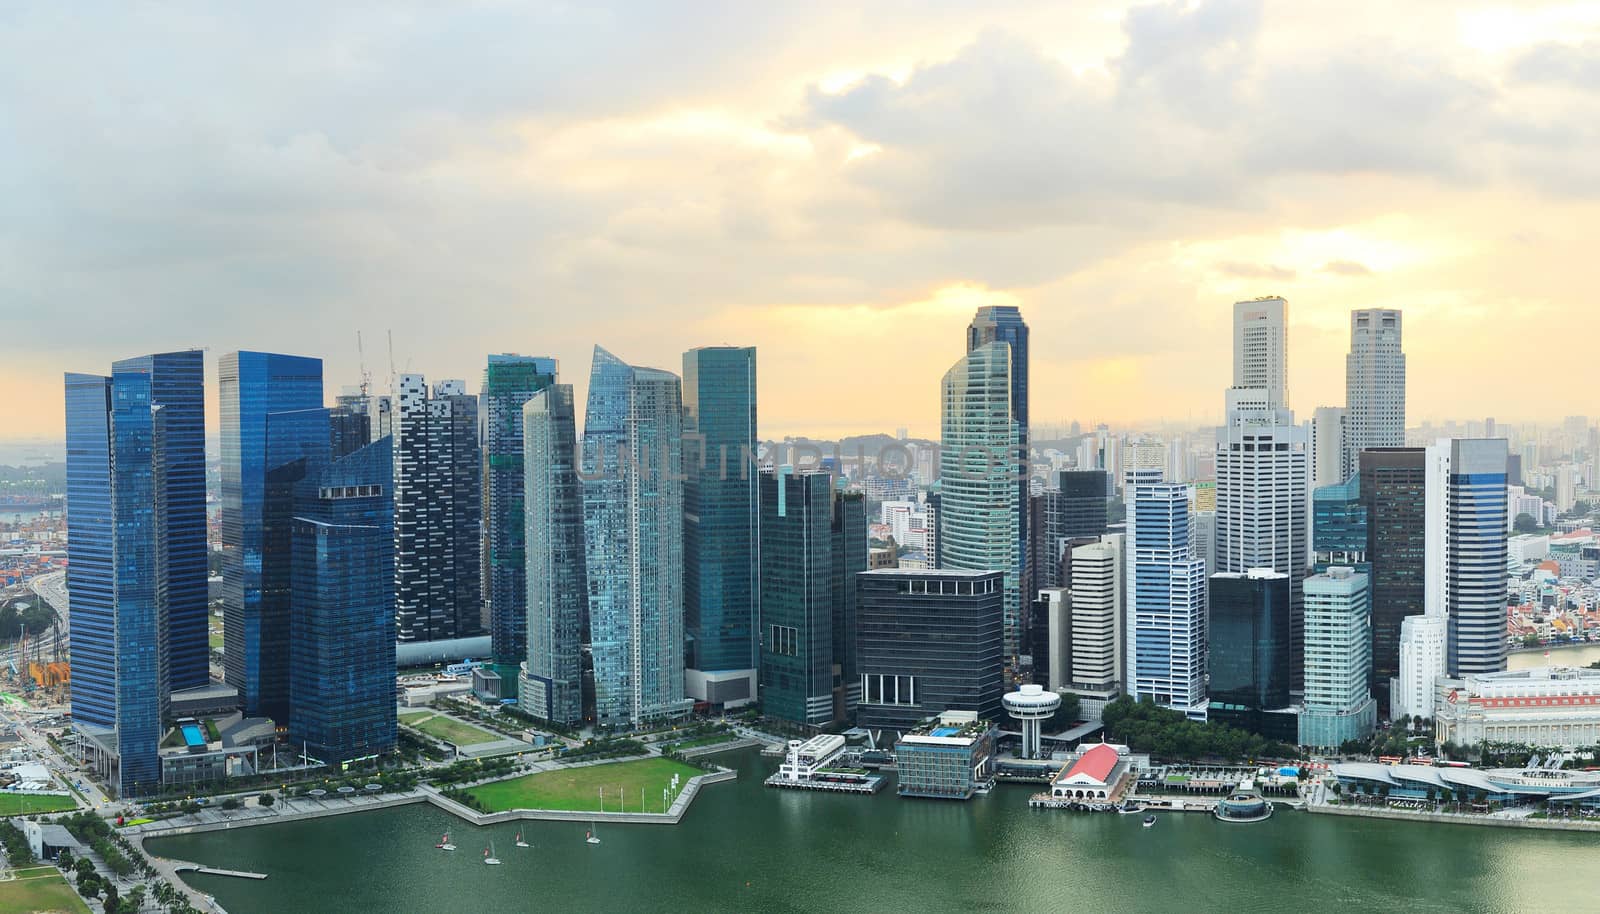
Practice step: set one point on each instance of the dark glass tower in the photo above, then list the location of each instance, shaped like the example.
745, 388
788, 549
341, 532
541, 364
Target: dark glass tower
508, 382
341, 628
1250, 654
274, 434
849, 533
797, 605
929, 641
91, 530
551, 686
1339, 527
1075, 509
719, 521
1394, 484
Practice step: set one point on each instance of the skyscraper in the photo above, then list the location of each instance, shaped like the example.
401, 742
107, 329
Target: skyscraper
1261, 348
1330, 460
1004, 324
633, 530
1096, 612
1338, 662
719, 523
438, 511
848, 530
977, 512
136, 555
1375, 384
1466, 550
797, 596
1250, 657
1339, 528
1076, 508
1393, 489
275, 432
341, 626
551, 685
509, 381
1165, 601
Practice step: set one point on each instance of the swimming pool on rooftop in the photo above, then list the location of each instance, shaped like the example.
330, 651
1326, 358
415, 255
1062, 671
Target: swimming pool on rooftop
946, 731
192, 735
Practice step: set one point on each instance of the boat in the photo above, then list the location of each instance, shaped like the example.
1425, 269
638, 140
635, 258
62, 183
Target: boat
1129, 808
489, 857
444, 843
520, 842
590, 836
1149, 821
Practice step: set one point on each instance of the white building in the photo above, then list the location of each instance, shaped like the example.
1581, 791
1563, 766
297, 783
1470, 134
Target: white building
1261, 348
1423, 641
1546, 707
1338, 659
1375, 384
1097, 611
1325, 443
804, 758
1528, 547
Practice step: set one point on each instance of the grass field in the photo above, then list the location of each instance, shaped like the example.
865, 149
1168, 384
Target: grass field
711, 740
448, 729
579, 788
215, 638
21, 804
40, 889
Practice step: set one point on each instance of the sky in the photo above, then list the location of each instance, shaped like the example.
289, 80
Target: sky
838, 184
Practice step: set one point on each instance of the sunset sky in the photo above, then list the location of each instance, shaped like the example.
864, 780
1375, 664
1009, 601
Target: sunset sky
838, 184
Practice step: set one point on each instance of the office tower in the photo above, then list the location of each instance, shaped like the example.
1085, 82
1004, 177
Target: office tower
1329, 458
1145, 460
797, 596
1075, 508
1052, 637
929, 641
1044, 513
1250, 657
1566, 488
1375, 385
1466, 550
1261, 348
349, 424
1203, 538
1423, 650
1514, 470
341, 625
978, 505
1096, 614
1004, 324
1393, 484
274, 430
1262, 517
848, 530
136, 556
719, 523
1165, 601
509, 381
438, 511
1338, 662
1339, 528
551, 683
633, 540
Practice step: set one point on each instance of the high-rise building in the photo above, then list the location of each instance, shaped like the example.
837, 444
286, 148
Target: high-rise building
848, 530
929, 641
509, 381
1339, 528
1393, 484
1052, 637
719, 523
341, 626
1466, 550
633, 532
551, 683
349, 423
1250, 657
1375, 385
136, 556
1424, 648
1096, 617
1004, 324
438, 511
797, 597
978, 469
1338, 663
1261, 348
1076, 508
1165, 601
1325, 443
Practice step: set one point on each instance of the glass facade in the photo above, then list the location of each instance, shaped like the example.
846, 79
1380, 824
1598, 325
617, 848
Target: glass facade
1166, 627
1394, 489
1250, 659
978, 505
719, 507
849, 533
949, 772
633, 531
508, 383
91, 584
1339, 527
1338, 700
552, 684
928, 642
255, 514
1475, 556
797, 605
341, 630
1004, 324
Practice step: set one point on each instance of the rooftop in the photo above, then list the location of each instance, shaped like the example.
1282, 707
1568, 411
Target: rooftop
1096, 764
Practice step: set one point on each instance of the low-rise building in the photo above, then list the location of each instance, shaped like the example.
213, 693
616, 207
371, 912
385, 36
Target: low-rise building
949, 759
805, 759
1097, 775
1545, 707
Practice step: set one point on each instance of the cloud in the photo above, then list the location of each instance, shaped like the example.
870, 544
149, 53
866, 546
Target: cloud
1556, 63
1255, 271
1346, 268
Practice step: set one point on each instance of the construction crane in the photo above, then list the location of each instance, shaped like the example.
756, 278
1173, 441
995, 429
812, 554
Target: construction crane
366, 376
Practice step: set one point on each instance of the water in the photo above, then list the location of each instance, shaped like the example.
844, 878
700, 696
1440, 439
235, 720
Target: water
747, 848
1565, 655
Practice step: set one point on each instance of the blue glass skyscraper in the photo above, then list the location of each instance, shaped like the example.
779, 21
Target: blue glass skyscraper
91, 584
1004, 324
551, 686
274, 434
633, 529
341, 626
1339, 527
719, 522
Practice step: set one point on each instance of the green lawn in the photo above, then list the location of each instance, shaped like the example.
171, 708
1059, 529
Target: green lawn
711, 740
37, 890
20, 804
215, 638
450, 730
579, 788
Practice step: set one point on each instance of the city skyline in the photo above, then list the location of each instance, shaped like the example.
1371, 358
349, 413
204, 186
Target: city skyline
821, 177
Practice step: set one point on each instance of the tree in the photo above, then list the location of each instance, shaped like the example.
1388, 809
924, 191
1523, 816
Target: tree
265, 799
1525, 523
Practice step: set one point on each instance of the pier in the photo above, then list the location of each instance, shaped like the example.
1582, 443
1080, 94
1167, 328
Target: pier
866, 784
185, 866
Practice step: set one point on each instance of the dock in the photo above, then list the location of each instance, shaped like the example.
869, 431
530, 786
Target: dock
182, 866
868, 784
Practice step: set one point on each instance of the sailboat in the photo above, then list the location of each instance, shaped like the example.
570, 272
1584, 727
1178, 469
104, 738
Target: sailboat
444, 843
489, 857
590, 838
520, 842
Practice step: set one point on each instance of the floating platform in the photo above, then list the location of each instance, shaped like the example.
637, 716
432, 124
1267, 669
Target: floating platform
869, 784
